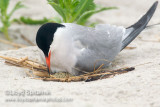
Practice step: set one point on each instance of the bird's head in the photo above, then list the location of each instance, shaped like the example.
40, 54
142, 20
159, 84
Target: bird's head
45, 37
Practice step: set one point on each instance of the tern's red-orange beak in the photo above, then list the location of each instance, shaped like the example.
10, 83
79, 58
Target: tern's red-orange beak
48, 61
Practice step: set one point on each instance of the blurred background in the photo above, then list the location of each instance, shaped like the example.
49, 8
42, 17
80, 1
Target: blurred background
128, 12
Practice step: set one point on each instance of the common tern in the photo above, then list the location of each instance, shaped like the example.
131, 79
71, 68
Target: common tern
75, 49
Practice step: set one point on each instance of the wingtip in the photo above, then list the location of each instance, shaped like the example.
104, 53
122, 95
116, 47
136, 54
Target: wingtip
140, 25
156, 3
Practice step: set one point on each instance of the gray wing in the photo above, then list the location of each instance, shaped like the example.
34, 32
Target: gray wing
102, 42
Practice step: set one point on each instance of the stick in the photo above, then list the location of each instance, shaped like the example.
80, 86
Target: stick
130, 47
27, 40
92, 77
22, 60
99, 67
27, 63
13, 44
41, 74
150, 40
8, 58
157, 40
38, 68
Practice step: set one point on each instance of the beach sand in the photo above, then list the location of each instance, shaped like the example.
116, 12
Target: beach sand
140, 88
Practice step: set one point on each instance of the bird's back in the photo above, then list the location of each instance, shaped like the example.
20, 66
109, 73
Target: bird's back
96, 45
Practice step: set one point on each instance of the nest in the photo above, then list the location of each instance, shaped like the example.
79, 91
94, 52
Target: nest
39, 71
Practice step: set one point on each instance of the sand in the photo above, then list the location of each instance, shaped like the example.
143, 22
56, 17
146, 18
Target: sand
137, 88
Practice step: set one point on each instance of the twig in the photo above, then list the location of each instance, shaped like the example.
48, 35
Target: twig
142, 64
27, 40
150, 40
41, 71
41, 74
91, 77
98, 61
130, 47
13, 44
111, 71
27, 63
157, 40
22, 60
99, 68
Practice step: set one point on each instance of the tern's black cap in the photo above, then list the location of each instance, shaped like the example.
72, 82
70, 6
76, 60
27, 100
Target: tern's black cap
45, 36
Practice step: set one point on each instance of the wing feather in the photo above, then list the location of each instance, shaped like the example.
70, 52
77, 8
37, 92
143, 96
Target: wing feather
102, 42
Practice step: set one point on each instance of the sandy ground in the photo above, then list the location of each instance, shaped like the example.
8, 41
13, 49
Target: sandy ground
138, 88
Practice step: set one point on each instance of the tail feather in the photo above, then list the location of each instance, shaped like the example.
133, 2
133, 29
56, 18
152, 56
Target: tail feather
133, 31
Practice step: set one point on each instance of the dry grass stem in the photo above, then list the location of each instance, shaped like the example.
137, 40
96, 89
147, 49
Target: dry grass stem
150, 40
27, 40
99, 67
26, 63
130, 48
41, 71
41, 74
157, 39
22, 60
13, 44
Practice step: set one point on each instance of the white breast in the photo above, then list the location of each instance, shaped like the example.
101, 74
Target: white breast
63, 52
